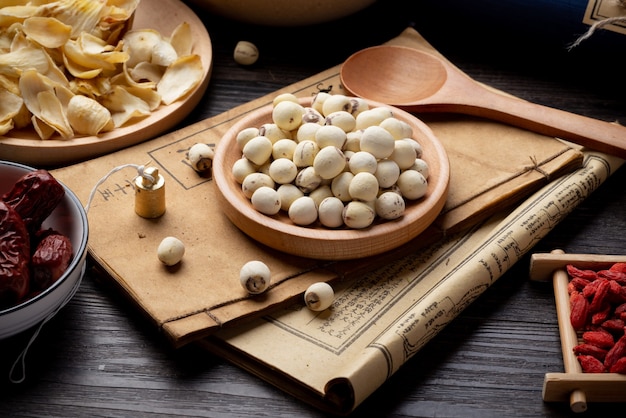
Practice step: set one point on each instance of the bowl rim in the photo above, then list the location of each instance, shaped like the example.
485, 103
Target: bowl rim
78, 252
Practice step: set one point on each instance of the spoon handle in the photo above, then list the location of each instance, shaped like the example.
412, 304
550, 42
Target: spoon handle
595, 134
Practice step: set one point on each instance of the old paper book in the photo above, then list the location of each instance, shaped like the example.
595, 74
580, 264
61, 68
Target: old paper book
335, 359
492, 166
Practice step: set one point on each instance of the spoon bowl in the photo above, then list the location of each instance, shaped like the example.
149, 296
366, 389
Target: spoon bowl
417, 81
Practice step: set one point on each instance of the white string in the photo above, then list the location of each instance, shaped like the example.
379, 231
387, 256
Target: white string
140, 173
21, 359
597, 25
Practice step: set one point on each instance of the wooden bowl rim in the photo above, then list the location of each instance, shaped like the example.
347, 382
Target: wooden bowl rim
419, 215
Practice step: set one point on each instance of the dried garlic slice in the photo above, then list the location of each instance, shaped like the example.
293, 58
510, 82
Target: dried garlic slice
180, 78
53, 113
10, 105
14, 62
182, 39
124, 106
47, 31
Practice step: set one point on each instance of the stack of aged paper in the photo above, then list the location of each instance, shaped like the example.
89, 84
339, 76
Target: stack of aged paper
335, 359
387, 306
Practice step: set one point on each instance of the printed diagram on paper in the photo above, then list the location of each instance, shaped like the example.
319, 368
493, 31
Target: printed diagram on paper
599, 10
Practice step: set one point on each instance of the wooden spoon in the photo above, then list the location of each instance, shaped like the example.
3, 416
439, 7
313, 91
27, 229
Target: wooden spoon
417, 81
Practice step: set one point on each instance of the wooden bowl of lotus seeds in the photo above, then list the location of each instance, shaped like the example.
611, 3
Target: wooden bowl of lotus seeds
279, 182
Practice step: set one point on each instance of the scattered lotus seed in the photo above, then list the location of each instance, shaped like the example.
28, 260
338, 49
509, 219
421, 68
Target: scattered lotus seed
421, 166
321, 193
273, 132
377, 141
303, 211
397, 128
254, 181
284, 148
362, 161
255, 277
242, 168
329, 162
305, 152
258, 150
312, 115
201, 157
364, 187
367, 118
340, 186
336, 103
318, 101
341, 119
330, 212
387, 173
390, 205
245, 135
288, 193
170, 251
358, 215
412, 184
358, 105
246, 53
283, 97
266, 200
265, 168
418, 147
330, 136
287, 115
403, 154
319, 296
308, 180
384, 112
307, 131
283, 170
353, 141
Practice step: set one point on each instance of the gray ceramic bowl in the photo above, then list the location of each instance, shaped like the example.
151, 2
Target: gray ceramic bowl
69, 218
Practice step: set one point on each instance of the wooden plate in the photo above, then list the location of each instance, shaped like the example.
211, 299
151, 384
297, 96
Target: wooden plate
316, 241
163, 15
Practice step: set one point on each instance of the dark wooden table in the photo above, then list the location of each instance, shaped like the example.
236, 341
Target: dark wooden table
99, 357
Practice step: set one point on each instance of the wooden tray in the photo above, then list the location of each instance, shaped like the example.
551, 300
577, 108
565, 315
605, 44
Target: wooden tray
163, 15
318, 242
574, 386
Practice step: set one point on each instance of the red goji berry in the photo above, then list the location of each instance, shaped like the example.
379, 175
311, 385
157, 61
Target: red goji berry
590, 290
600, 297
584, 274
616, 293
617, 276
579, 283
616, 352
618, 267
619, 366
597, 318
621, 308
590, 364
614, 325
579, 310
590, 350
602, 339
